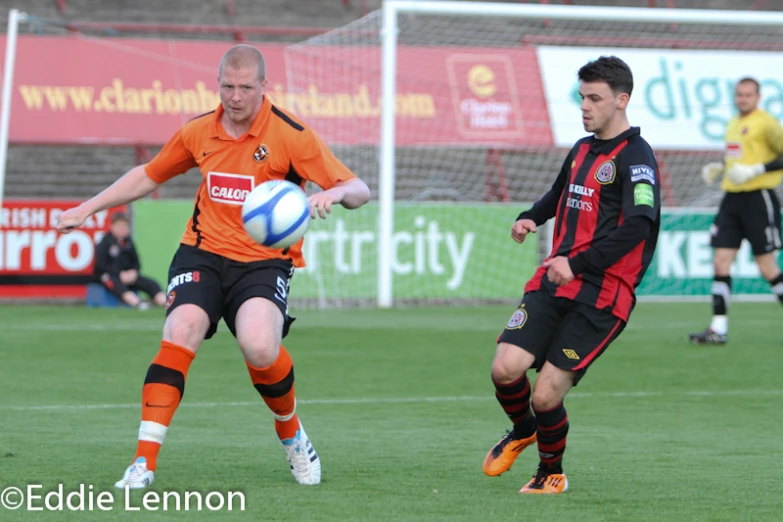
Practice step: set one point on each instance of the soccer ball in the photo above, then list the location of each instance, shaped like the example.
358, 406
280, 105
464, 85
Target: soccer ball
276, 214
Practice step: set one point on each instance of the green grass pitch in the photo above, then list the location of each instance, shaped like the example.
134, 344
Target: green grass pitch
401, 409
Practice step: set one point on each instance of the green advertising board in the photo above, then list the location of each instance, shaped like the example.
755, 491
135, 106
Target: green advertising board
450, 251
682, 265
440, 251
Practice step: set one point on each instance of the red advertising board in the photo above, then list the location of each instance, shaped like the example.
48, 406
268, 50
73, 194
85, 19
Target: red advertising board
99, 90
36, 261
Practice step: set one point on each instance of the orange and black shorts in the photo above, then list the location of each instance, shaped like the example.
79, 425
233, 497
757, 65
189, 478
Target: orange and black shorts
219, 285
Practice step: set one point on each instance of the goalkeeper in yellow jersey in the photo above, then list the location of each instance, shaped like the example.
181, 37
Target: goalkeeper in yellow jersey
751, 169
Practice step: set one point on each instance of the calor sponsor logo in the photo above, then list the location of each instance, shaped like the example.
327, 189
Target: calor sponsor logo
229, 188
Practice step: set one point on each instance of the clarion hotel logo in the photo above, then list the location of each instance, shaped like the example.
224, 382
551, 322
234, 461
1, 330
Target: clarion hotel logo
484, 95
229, 188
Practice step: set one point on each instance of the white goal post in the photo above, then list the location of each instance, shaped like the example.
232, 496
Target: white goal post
391, 11
15, 17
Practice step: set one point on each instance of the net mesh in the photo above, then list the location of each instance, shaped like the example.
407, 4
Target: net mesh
486, 111
487, 108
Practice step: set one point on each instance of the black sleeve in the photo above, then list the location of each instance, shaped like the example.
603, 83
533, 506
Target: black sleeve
775, 164
546, 207
641, 184
601, 256
135, 264
103, 261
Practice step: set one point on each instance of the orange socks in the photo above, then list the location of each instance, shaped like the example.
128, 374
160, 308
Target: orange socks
275, 383
165, 385
162, 393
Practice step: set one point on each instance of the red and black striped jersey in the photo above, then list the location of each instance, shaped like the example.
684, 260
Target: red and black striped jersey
606, 201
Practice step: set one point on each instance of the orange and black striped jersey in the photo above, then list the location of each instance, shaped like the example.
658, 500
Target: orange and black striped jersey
277, 146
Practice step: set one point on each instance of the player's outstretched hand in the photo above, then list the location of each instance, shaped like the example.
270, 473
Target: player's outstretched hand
559, 270
739, 173
711, 171
522, 228
70, 220
321, 203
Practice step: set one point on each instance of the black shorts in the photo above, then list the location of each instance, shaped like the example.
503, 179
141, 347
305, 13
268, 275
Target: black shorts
568, 334
754, 216
219, 285
142, 284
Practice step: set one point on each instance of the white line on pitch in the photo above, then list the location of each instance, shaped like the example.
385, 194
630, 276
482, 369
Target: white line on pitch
402, 400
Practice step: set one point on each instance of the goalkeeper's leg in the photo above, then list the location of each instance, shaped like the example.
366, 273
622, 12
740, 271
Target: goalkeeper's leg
770, 271
765, 239
727, 235
717, 332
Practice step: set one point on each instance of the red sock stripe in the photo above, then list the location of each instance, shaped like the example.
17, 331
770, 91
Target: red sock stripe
555, 428
519, 395
520, 408
553, 447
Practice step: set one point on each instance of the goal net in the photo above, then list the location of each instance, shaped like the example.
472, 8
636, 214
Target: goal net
485, 107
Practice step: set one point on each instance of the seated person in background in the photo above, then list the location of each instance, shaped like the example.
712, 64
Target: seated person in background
117, 266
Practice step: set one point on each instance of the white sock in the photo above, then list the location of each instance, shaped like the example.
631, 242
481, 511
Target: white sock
720, 324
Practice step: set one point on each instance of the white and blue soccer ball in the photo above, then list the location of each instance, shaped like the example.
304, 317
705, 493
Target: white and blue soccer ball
276, 214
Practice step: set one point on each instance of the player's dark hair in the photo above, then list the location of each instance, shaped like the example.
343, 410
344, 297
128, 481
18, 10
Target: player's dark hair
610, 70
755, 82
119, 216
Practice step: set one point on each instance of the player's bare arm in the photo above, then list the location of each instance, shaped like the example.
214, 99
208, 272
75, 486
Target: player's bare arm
522, 228
133, 185
350, 194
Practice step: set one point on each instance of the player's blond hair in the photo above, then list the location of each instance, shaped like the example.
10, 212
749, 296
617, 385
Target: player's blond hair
242, 56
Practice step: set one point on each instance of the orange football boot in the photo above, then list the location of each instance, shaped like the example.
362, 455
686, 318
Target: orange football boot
504, 453
544, 483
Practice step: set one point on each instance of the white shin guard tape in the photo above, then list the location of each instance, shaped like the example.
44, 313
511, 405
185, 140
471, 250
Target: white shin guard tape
284, 418
152, 431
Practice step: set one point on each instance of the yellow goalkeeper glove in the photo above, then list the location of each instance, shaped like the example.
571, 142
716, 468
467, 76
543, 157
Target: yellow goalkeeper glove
711, 171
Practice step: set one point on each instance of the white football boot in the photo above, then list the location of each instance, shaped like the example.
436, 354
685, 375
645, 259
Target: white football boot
137, 476
304, 461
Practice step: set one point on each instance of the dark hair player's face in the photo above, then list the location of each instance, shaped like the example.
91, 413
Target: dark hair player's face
599, 106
